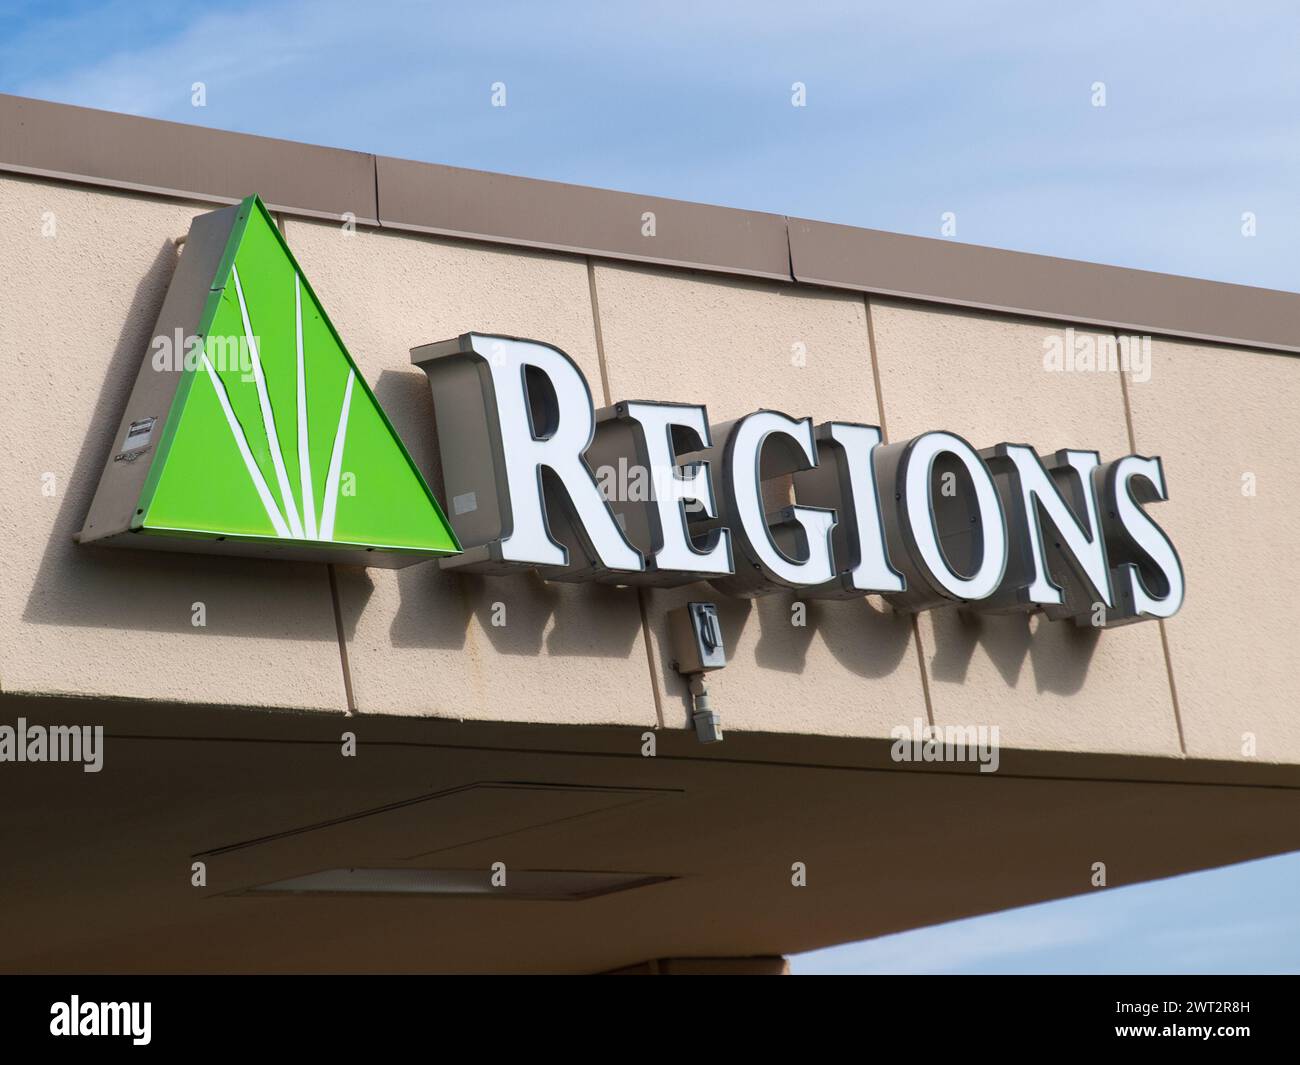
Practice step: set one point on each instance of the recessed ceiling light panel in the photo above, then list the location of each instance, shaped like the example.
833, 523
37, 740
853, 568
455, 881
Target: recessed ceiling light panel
537, 884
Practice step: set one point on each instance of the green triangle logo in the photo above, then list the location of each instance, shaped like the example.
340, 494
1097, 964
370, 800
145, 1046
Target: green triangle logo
274, 435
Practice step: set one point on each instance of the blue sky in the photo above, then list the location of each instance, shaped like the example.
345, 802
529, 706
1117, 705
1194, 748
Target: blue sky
1240, 919
913, 110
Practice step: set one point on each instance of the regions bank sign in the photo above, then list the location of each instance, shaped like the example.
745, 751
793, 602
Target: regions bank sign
250, 431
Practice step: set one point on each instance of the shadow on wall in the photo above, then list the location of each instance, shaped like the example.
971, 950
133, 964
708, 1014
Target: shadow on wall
1059, 652
520, 615
864, 637
146, 591
871, 641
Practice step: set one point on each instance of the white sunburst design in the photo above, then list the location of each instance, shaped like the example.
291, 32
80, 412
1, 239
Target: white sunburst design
289, 523
304, 445
336, 465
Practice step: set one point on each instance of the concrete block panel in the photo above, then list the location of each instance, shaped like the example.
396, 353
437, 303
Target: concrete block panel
85, 275
421, 641
1044, 684
1225, 422
737, 346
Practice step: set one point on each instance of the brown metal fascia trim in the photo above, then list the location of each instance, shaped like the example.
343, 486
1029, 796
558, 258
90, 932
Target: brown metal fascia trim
163, 191
84, 146
501, 208
78, 144
594, 252
1040, 286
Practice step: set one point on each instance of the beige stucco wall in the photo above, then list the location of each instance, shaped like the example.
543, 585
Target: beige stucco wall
76, 320
737, 346
1225, 423
1045, 684
420, 641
